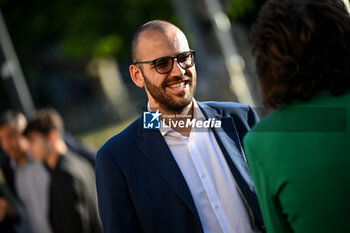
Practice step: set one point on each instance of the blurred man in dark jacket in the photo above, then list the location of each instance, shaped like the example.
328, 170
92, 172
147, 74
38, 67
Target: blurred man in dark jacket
73, 200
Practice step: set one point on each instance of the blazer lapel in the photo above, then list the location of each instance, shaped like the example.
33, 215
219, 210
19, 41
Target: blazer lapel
231, 147
229, 142
154, 147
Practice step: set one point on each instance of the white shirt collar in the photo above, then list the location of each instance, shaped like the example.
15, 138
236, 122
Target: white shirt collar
197, 114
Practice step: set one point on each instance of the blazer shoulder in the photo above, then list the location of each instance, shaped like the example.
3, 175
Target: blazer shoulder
243, 115
226, 108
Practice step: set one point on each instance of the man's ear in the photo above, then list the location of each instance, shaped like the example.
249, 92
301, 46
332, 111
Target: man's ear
53, 135
136, 75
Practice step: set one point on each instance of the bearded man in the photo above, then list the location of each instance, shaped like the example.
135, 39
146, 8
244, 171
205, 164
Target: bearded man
178, 176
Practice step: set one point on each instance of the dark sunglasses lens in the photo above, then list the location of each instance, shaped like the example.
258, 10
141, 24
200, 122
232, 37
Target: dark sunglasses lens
186, 60
163, 65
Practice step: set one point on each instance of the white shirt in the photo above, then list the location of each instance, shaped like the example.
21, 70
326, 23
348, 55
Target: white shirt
211, 183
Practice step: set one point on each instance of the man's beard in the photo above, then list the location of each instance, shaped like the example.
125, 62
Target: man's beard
166, 101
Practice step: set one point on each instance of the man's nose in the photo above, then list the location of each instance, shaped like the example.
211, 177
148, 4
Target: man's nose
177, 70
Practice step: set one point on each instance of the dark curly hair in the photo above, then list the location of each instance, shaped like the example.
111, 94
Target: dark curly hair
302, 47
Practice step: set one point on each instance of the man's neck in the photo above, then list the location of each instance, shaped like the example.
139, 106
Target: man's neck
171, 116
22, 160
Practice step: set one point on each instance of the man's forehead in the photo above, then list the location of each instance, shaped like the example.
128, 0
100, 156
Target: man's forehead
162, 42
34, 135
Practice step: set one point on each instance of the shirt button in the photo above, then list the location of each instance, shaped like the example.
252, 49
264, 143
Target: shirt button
216, 206
203, 175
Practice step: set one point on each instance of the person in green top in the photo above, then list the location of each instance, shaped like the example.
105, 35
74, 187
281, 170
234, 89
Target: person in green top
299, 155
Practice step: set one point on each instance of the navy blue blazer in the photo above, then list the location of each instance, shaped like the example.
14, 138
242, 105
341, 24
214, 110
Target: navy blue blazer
141, 188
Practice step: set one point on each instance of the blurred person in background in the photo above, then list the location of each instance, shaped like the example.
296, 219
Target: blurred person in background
9, 214
73, 199
30, 178
27, 179
176, 179
299, 155
7, 170
79, 148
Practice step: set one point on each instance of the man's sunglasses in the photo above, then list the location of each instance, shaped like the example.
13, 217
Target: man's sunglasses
164, 65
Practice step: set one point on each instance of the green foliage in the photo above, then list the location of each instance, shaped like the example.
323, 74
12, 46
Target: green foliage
238, 8
108, 45
81, 28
